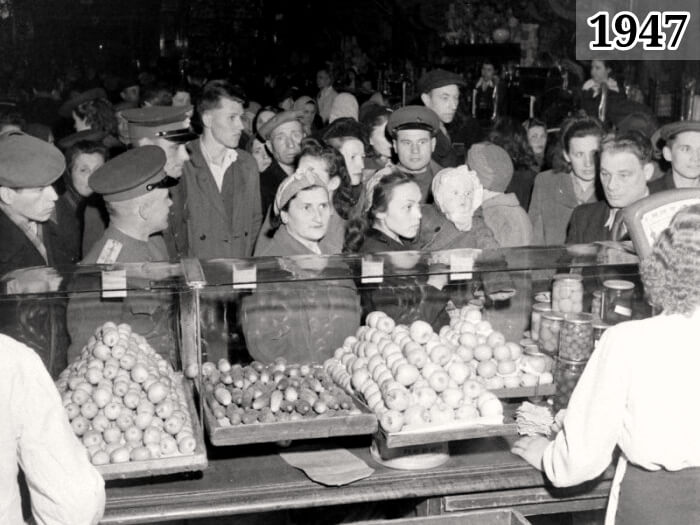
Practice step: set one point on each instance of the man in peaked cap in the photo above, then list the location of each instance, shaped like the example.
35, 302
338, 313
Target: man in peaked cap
134, 186
167, 127
28, 168
680, 142
413, 130
439, 91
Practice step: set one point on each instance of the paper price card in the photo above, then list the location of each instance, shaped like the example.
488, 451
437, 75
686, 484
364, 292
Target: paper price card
113, 284
245, 277
461, 266
372, 271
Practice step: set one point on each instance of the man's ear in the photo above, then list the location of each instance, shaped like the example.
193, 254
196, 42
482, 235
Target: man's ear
433, 143
7, 195
144, 209
667, 153
395, 145
648, 171
425, 98
206, 119
566, 157
284, 217
334, 183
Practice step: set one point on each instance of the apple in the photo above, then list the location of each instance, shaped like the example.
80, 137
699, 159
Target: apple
512, 381
529, 380
407, 374
466, 413
397, 399
495, 383
359, 364
417, 356
374, 362
420, 383
440, 413
506, 368
373, 318
472, 314
420, 331
396, 364
459, 372
495, 338
546, 378
361, 331
402, 338
515, 350
483, 352
393, 358
491, 407
452, 397
454, 340
416, 415
378, 336
359, 378
439, 380
350, 341
429, 369
465, 353
386, 324
501, 353
487, 369
392, 421
426, 396
472, 389
440, 354
374, 399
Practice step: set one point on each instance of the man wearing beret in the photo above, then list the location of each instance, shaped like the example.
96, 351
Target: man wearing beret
29, 237
216, 205
136, 192
681, 147
283, 134
413, 130
439, 91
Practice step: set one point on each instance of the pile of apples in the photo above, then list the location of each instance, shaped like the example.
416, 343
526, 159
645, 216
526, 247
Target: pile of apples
124, 401
268, 393
411, 377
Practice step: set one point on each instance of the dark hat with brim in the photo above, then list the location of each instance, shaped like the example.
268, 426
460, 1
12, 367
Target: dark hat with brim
93, 135
166, 122
28, 162
413, 117
669, 131
66, 110
438, 78
131, 174
271, 125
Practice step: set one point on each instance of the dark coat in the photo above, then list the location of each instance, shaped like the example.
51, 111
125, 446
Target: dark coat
207, 223
587, 223
270, 180
662, 184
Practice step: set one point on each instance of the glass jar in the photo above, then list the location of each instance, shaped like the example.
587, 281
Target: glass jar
536, 362
596, 304
576, 337
536, 316
550, 326
599, 328
566, 376
567, 293
617, 301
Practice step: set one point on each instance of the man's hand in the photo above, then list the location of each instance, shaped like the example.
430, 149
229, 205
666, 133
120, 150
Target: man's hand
531, 449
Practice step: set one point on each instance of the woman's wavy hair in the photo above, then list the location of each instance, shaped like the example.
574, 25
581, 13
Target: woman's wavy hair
578, 126
374, 199
671, 274
99, 115
509, 134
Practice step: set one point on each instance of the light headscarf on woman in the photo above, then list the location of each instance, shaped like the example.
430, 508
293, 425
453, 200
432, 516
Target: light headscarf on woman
457, 193
344, 105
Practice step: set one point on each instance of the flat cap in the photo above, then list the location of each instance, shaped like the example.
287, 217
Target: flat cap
413, 117
266, 129
669, 131
295, 183
131, 174
28, 162
66, 110
94, 135
438, 78
166, 122
492, 165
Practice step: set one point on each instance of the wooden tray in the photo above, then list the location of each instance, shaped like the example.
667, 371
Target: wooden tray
157, 467
444, 434
353, 425
526, 391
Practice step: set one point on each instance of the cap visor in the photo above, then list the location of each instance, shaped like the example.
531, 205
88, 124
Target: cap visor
178, 135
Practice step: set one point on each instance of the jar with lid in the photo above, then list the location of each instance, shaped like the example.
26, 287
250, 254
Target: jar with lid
567, 293
535, 318
576, 337
566, 376
596, 304
599, 328
617, 301
550, 326
534, 361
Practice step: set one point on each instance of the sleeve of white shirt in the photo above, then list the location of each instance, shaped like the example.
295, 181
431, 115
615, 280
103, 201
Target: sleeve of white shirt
64, 486
594, 419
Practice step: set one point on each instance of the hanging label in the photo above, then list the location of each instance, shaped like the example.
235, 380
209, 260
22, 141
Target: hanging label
245, 278
113, 284
461, 266
372, 271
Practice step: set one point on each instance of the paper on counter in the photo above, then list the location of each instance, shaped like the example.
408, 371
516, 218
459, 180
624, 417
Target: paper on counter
334, 467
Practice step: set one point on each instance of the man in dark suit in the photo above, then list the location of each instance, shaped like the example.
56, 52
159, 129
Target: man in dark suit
625, 169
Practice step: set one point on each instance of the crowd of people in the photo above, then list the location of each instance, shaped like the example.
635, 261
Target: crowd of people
158, 173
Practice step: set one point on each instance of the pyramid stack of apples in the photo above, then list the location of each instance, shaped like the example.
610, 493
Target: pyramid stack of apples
124, 401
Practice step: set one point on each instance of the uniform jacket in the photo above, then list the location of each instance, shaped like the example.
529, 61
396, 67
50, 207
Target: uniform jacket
553, 201
587, 223
209, 224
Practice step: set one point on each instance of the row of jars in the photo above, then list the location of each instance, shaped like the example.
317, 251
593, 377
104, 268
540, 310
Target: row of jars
613, 304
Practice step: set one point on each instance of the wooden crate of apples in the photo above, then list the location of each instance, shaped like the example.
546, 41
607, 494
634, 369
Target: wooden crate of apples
415, 379
259, 403
131, 410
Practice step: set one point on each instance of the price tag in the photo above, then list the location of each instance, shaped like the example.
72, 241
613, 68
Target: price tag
461, 266
623, 310
372, 271
113, 284
245, 277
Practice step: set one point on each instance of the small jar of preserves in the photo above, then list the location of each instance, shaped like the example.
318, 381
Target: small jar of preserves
599, 328
567, 293
536, 362
596, 304
617, 301
550, 326
576, 337
566, 376
535, 318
